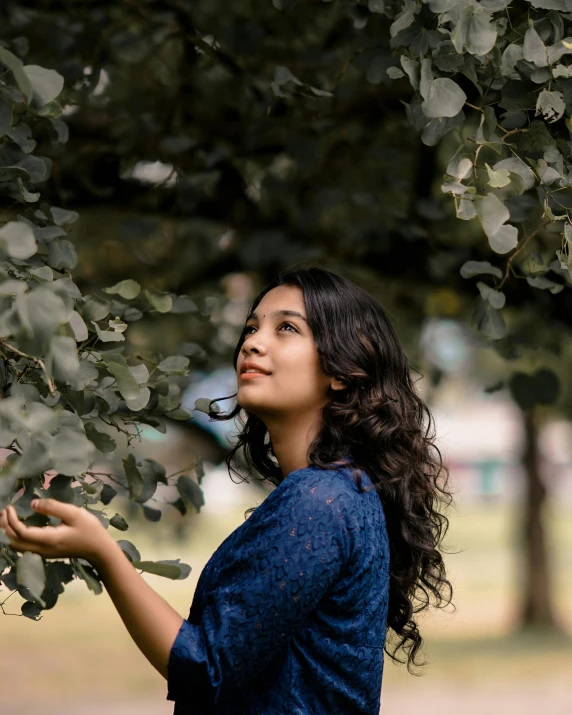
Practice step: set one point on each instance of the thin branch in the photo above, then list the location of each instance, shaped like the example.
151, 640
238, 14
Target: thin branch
4, 601
517, 251
39, 363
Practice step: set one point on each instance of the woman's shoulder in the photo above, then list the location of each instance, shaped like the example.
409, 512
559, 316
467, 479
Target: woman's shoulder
331, 483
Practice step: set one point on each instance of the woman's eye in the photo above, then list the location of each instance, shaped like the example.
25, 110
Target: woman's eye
245, 331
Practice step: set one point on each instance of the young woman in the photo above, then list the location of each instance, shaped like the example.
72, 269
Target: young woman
291, 613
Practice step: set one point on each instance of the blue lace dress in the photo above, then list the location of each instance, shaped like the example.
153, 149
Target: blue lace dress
289, 615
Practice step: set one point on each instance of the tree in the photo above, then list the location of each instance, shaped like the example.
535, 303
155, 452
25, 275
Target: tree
62, 367
358, 133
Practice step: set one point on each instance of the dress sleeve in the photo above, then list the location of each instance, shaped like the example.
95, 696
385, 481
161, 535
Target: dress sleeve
292, 549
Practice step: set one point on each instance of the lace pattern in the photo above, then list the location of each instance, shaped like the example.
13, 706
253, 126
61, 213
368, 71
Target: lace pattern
289, 614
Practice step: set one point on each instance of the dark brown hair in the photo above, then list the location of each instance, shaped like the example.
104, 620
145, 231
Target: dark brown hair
377, 423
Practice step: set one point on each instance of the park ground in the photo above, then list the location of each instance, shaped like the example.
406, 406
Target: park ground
78, 659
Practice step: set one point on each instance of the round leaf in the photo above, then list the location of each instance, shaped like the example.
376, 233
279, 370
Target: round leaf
505, 239
445, 99
17, 240
127, 289
31, 574
46, 84
492, 213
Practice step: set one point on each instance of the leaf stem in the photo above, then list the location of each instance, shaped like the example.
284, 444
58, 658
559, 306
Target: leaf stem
517, 251
38, 361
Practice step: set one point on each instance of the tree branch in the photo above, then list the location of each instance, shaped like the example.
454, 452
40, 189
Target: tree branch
38, 361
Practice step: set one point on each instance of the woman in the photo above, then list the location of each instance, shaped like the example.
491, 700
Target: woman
291, 613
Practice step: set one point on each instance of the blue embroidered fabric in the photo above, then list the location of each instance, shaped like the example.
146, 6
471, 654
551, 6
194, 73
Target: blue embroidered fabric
289, 615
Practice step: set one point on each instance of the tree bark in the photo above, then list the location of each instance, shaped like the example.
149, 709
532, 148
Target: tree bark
537, 608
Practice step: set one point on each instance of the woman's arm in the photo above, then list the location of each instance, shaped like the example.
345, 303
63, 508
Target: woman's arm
151, 621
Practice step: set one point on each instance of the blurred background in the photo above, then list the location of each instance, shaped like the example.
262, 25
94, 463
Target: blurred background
207, 147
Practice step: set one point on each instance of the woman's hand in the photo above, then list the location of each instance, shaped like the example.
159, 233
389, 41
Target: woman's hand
80, 534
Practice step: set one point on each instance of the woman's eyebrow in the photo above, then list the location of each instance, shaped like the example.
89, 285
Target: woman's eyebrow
292, 313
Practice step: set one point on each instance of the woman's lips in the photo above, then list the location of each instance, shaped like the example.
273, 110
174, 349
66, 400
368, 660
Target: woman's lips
248, 375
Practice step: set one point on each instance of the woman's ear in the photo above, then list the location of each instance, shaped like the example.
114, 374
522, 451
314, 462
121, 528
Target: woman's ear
338, 384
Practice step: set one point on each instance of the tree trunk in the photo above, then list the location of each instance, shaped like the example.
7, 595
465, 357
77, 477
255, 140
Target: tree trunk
537, 609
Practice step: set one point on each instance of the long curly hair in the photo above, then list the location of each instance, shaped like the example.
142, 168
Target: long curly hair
375, 425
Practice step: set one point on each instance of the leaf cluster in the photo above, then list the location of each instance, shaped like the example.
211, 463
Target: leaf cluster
64, 373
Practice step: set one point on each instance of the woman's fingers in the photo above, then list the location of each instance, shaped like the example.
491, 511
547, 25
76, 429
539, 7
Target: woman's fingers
35, 534
66, 512
5, 524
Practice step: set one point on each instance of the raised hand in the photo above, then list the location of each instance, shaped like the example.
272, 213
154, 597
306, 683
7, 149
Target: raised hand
80, 534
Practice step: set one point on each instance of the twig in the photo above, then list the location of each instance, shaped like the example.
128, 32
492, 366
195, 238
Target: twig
38, 361
4, 601
517, 251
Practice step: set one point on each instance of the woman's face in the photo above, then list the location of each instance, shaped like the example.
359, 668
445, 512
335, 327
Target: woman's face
284, 346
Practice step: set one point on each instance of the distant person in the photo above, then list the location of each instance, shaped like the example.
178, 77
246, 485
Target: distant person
292, 611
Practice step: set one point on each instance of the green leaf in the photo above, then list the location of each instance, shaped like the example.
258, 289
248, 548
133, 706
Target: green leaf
465, 210
126, 383
61, 489
17, 240
107, 494
87, 574
62, 254
488, 320
31, 610
118, 325
39, 168
102, 441
190, 492
492, 213
118, 522
495, 297
497, 177
475, 268
129, 550
151, 514
176, 364
202, 404
445, 99
17, 69
395, 73
107, 336
134, 478
159, 300
127, 289
517, 166
282, 75
533, 49
167, 569
71, 452
411, 68
31, 574
138, 403
86, 374
179, 414
22, 136
551, 105
63, 216
94, 308
404, 19
46, 84
505, 239
512, 54
475, 31
545, 284
459, 167
65, 363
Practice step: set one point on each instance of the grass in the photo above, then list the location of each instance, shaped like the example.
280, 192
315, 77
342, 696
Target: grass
82, 645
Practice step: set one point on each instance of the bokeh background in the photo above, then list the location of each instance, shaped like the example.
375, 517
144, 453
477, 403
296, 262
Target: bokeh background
208, 146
